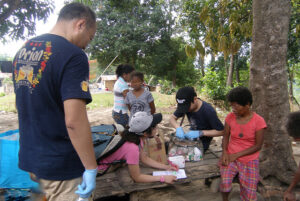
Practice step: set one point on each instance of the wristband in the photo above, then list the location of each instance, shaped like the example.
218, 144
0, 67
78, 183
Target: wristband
162, 179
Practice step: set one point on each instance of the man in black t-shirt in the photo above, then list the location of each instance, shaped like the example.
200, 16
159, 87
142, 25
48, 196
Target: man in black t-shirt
51, 75
204, 122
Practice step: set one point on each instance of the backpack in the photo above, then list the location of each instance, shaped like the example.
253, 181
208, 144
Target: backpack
107, 129
106, 141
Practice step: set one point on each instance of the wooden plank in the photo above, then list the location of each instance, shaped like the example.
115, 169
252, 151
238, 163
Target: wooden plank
108, 185
120, 182
202, 172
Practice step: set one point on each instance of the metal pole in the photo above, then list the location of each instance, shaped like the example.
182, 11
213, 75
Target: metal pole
107, 68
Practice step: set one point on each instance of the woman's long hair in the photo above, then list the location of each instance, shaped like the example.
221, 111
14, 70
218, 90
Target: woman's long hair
133, 137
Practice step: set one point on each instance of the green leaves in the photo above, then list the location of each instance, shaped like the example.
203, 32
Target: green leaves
128, 29
200, 49
223, 24
190, 51
18, 18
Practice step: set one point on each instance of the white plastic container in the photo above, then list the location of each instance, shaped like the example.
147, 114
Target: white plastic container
197, 154
178, 160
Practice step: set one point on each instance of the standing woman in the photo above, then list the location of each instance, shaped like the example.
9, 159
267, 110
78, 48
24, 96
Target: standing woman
242, 141
121, 89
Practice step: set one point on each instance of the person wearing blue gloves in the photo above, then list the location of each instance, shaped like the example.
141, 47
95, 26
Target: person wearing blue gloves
203, 119
51, 77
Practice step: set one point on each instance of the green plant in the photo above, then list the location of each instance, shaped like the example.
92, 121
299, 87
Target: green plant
8, 80
166, 87
214, 84
7, 103
2, 94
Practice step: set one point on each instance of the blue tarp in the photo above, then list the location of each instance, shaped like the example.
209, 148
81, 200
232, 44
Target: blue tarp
10, 174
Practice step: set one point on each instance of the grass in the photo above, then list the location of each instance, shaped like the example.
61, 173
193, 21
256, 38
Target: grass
101, 100
163, 100
106, 100
7, 103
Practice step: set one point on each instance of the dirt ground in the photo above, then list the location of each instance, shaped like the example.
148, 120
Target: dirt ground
194, 191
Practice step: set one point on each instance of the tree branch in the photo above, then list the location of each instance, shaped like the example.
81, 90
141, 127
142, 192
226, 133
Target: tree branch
12, 6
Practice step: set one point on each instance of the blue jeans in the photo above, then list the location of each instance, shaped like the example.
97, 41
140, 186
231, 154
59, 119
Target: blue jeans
120, 118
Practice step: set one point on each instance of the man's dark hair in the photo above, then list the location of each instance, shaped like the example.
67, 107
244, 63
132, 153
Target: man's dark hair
77, 11
293, 124
240, 95
124, 68
138, 75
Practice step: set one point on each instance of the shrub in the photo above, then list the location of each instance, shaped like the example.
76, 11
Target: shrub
213, 84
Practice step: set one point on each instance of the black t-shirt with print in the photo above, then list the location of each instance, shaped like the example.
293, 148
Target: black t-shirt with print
204, 119
48, 70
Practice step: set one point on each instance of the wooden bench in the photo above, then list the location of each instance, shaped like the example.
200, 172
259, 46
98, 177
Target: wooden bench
119, 183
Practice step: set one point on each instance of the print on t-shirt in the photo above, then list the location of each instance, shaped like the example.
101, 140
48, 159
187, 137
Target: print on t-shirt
137, 106
30, 63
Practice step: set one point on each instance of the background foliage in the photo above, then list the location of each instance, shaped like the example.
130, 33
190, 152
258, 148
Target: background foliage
174, 43
18, 17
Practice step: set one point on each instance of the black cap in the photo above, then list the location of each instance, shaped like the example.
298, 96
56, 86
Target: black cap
184, 97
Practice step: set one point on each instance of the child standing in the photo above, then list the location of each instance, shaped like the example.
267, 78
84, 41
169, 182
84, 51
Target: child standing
293, 128
242, 141
121, 88
139, 99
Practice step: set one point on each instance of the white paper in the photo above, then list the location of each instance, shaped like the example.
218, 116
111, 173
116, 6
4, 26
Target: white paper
180, 174
177, 160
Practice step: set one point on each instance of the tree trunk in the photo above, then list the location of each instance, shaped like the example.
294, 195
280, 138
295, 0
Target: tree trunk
230, 72
268, 83
201, 62
225, 65
174, 77
291, 79
237, 71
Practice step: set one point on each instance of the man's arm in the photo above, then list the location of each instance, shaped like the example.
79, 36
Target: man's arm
79, 131
215, 123
173, 121
179, 130
213, 133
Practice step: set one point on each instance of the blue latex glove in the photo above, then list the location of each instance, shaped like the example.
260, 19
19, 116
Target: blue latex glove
180, 133
88, 184
193, 134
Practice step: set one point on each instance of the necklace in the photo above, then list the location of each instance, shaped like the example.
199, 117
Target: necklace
246, 120
241, 132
